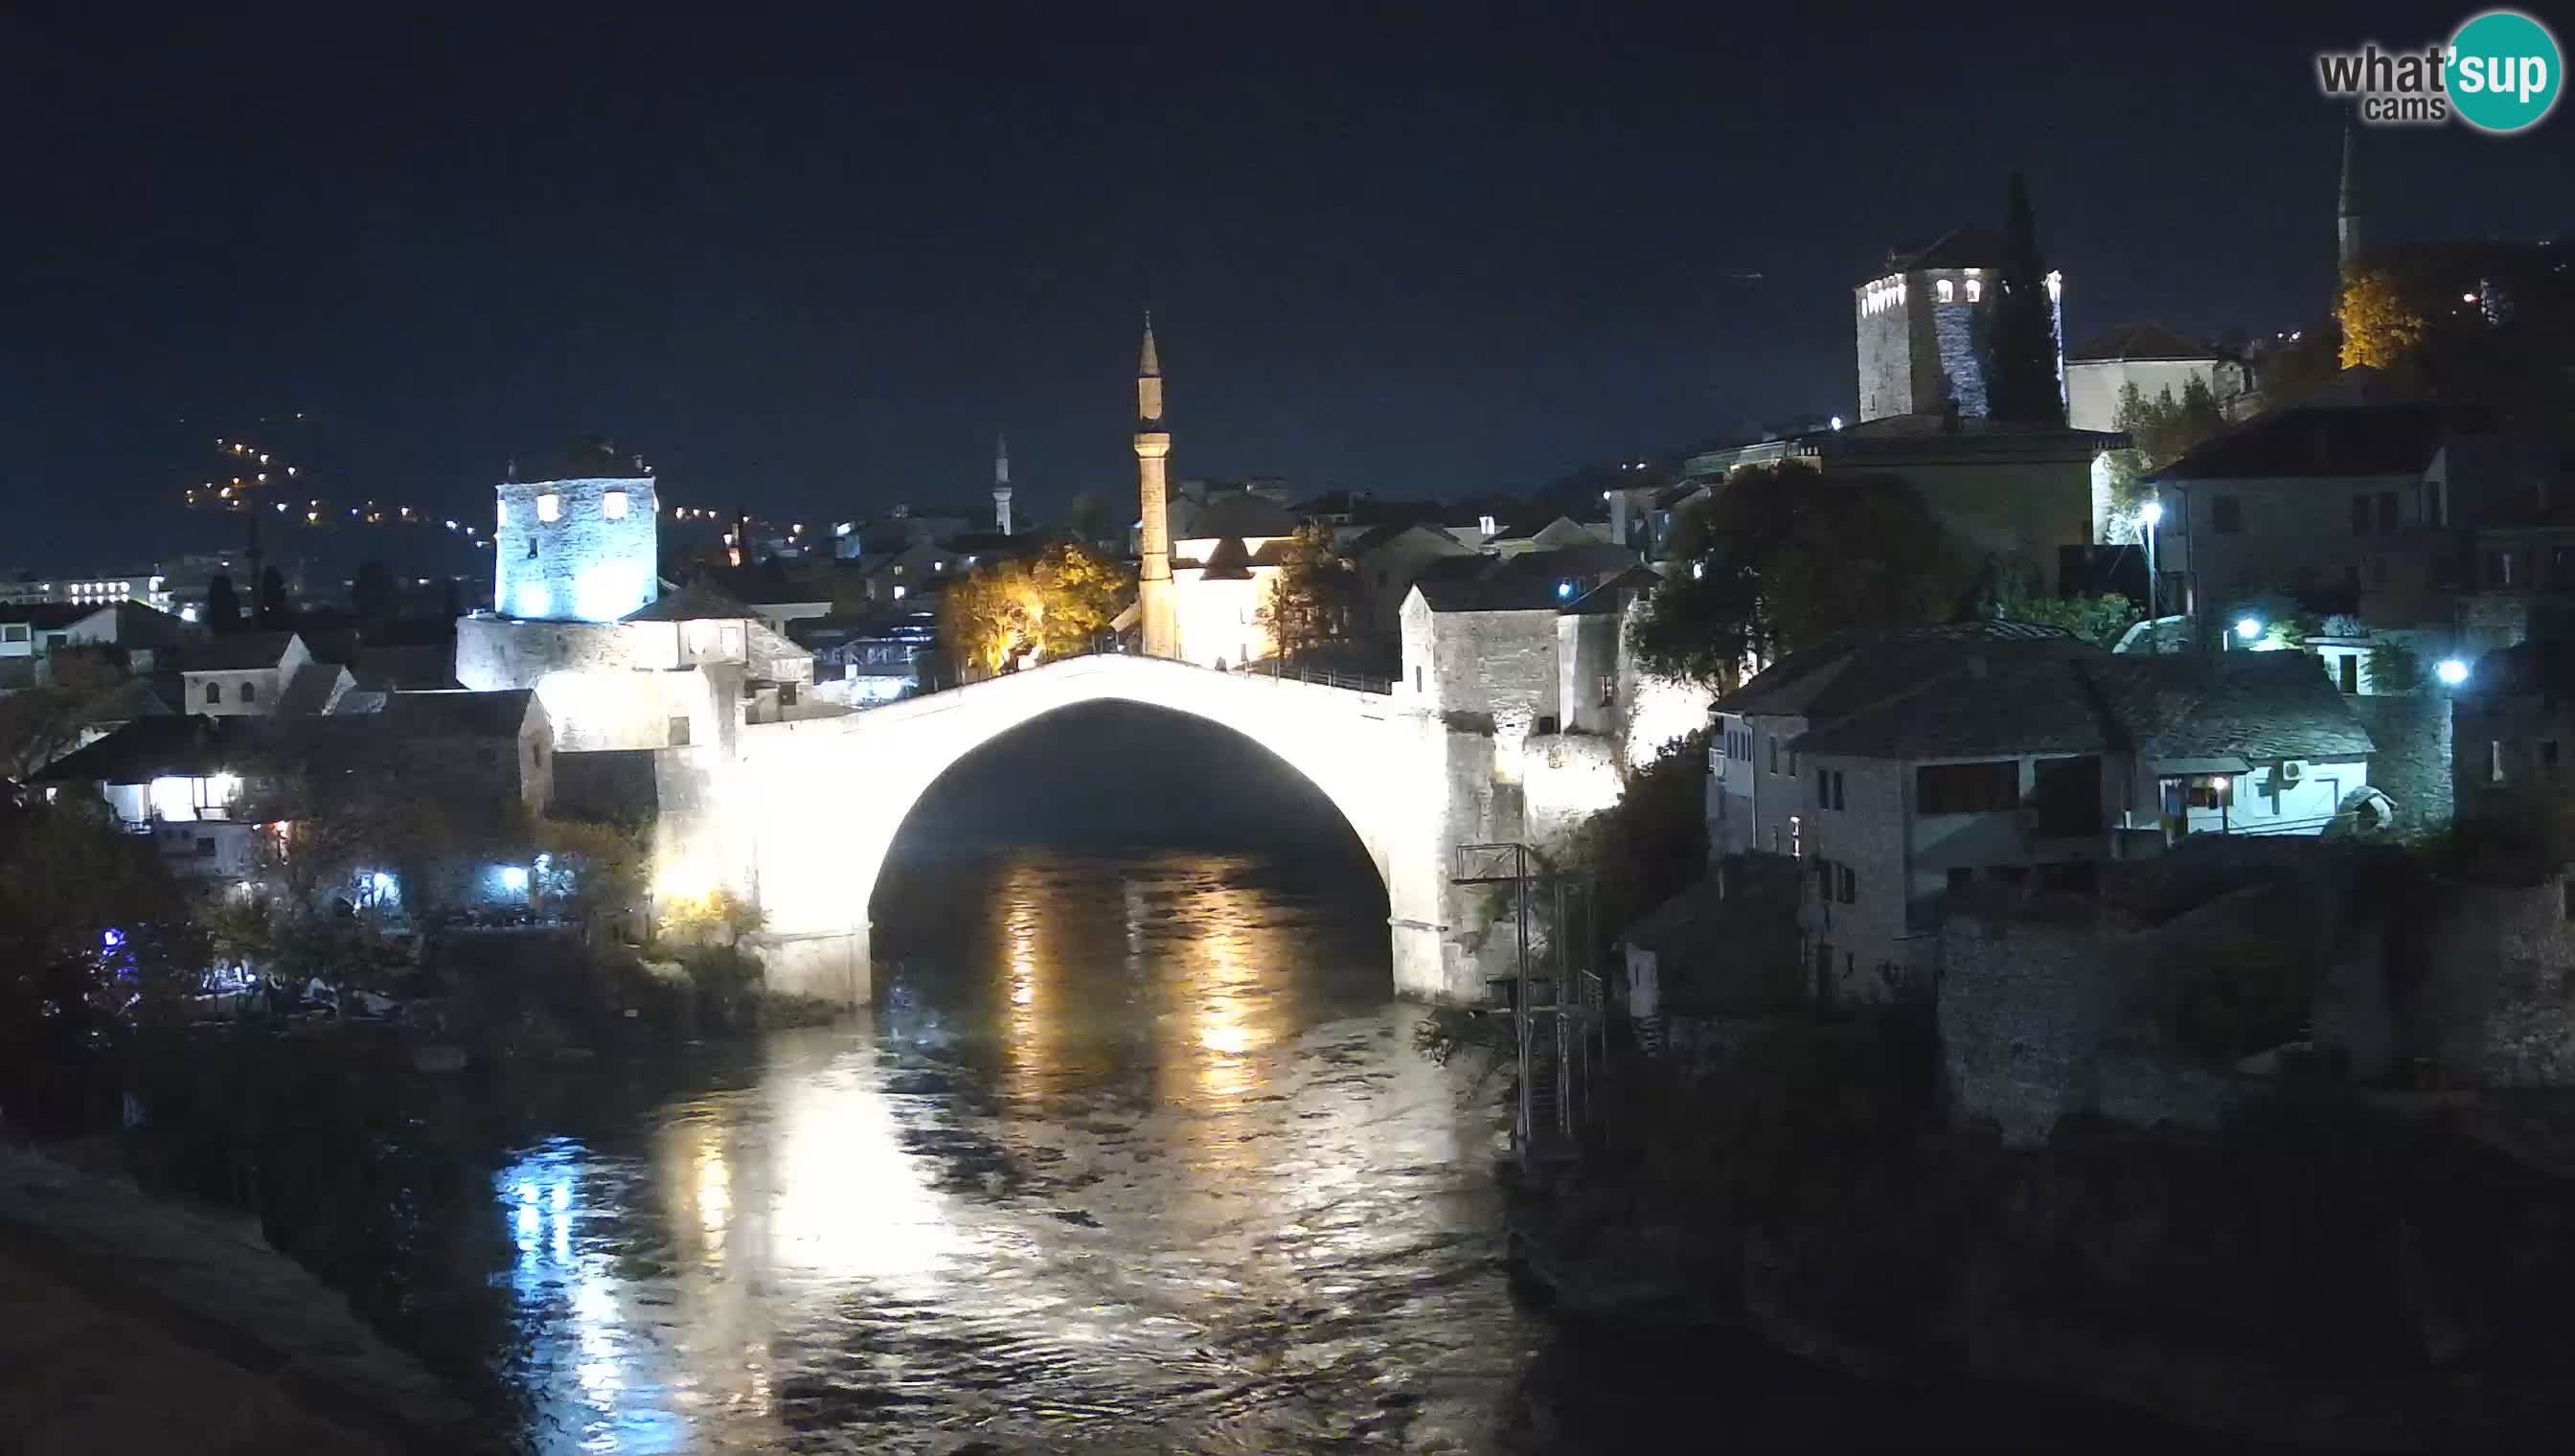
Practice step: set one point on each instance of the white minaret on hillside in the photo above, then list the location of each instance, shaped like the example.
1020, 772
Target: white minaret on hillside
1002, 484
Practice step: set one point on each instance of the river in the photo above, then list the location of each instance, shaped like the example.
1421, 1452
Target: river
1135, 1154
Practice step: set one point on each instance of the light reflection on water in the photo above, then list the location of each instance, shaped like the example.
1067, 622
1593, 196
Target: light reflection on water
1135, 1155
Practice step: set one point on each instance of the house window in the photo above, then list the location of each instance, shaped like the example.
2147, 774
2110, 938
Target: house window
250, 692
2348, 664
2201, 792
2499, 569
1828, 788
2494, 760
1845, 884
1608, 689
550, 506
2226, 515
1976, 290
1946, 290
213, 693
1417, 680
1962, 789
679, 733
13, 631
1774, 756
1797, 837
613, 505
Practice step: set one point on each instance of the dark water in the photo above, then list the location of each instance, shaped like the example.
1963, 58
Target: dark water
1134, 1156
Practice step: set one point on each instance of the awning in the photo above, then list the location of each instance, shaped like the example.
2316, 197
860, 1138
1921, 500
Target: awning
2183, 768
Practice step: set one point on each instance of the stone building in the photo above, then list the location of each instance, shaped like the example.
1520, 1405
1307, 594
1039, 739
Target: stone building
1919, 325
2374, 503
2513, 743
2018, 495
258, 674
1905, 767
578, 541
2150, 357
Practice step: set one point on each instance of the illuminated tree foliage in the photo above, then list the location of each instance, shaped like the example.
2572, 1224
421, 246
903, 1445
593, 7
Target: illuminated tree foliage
2381, 324
1315, 597
1057, 605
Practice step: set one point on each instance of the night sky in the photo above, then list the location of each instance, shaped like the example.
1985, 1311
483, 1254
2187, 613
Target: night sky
813, 270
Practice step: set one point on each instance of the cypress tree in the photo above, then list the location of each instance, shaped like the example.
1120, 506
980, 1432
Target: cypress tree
223, 605
2020, 340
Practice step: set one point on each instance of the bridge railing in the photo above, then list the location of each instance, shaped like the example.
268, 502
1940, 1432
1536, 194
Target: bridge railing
934, 681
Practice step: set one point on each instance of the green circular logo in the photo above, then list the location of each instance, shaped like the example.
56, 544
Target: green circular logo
2505, 71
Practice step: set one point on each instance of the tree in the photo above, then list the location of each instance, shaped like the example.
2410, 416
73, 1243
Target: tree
41, 723
2381, 324
988, 616
2020, 343
2160, 431
1056, 606
371, 596
1783, 556
2393, 668
1079, 593
96, 939
1314, 596
595, 871
718, 912
223, 605
2100, 620
272, 598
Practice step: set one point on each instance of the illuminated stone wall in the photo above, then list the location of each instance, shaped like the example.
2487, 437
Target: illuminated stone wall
812, 807
594, 562
1484, 667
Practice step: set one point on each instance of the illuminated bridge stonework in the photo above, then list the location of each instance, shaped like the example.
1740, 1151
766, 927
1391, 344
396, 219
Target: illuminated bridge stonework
803, 815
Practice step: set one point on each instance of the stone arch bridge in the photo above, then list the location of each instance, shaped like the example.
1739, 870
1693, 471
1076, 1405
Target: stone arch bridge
802, 813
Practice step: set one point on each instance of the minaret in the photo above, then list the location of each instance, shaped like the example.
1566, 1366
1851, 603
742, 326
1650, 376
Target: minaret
1154, 609
2347, 232
1002, 484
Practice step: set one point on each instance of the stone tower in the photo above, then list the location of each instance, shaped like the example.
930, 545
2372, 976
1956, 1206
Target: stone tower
1002, 484
2348, 238
1155, 613
578, 542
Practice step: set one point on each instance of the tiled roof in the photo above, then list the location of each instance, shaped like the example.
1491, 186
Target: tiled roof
2320, 440
2259, 706
696, 602
1850, 670
1965, 248
237, 652
1536, 581
460, 713
1240, 513
2139, 341
46, 616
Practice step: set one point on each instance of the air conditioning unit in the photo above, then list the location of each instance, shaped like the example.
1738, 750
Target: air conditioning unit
2290, 770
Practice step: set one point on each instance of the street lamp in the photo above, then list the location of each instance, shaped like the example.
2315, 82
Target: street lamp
2451, 672
2153, 515
2248, 628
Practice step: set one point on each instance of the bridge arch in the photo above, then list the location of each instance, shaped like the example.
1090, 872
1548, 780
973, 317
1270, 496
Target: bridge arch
807, 811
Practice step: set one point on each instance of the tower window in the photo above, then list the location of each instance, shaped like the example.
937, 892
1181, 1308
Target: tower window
1948, 291
1976, 290
613, 505
550, 506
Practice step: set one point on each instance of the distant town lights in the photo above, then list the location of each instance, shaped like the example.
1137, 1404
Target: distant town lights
2451, 671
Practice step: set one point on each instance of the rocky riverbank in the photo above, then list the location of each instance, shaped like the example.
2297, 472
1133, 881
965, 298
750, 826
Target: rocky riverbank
138, 1326
2321, 1276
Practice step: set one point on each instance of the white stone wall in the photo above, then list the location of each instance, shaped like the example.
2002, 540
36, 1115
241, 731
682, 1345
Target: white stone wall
1220, 620
2092, 386
581, 566
809, 809
1497, 667
1566, 780
1876, 956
